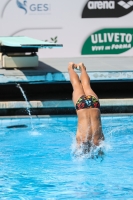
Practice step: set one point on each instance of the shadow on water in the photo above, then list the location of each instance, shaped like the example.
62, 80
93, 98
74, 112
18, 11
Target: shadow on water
17, 126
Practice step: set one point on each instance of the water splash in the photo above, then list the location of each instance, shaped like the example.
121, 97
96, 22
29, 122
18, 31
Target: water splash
27, 103
88, 151
35, 133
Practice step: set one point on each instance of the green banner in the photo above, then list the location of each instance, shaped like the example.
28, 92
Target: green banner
108, 41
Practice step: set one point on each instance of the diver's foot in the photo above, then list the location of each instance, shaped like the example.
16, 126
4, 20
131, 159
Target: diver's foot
81, 66
71, 65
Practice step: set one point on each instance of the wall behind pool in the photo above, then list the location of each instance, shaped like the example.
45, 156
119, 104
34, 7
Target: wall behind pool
85, 28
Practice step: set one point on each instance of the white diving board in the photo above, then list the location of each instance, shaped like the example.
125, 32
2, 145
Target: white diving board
25, 42
13, 51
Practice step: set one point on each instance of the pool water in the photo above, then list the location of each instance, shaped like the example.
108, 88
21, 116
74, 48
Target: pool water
39, 164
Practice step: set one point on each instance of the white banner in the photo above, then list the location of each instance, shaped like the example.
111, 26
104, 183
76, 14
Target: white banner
69, 23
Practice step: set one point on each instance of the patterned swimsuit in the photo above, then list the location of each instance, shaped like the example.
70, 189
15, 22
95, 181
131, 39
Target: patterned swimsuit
87, 102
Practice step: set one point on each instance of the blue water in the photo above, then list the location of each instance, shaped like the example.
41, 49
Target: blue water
39, 164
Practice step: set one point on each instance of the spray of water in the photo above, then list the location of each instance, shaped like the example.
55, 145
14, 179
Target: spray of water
28, 105
87, 149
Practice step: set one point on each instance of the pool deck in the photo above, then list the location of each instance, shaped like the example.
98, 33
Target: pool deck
51, 70
55, 70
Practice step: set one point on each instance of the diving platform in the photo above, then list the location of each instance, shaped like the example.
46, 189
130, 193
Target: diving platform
21, 52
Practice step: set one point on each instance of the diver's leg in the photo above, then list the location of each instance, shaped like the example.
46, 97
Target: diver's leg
85, 80
76, 84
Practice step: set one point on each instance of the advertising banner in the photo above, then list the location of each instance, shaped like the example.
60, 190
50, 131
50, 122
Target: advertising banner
84, 27
107, 9
108, 41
